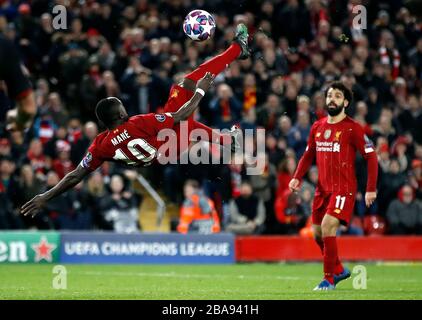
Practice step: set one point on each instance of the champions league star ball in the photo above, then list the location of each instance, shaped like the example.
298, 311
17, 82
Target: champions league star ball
199, 25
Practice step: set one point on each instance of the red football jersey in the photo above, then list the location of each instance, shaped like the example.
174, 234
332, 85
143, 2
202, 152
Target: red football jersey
134, 142
335, 146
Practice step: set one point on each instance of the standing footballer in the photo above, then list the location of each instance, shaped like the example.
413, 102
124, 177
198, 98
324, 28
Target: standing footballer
334, 140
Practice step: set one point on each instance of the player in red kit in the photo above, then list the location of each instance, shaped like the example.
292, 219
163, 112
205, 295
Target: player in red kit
134, 140
333, 141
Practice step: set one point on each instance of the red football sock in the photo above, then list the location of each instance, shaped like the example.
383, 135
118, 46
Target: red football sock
330, 257
214, 137
217, 64
339, 266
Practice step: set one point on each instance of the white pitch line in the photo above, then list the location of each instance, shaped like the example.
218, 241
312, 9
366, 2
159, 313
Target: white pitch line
178, 275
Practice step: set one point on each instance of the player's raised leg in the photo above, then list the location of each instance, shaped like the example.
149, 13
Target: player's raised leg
182, 92
238, 50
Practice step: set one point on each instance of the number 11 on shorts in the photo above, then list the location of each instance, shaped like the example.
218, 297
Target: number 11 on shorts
340, 202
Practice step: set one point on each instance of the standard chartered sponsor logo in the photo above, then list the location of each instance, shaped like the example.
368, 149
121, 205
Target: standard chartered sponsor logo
324, 146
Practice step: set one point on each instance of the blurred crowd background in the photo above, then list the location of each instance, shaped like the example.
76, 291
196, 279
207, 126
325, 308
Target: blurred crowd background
136, 49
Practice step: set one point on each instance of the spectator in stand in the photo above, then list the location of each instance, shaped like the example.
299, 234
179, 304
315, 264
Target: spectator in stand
79, 147
411, 117
15, 76
36, 158
297, 138
5, 148
226, 108
247, 212
120, 207
44, 126
264, 185
29, 184
96, 191
275, 153
268, 114
56, 211
374, 106
390, 184
9, 194
56, 109
399, 151
51, 146
285, 173
385, 127
415, 179
290, 214
360, 116
63, 165
404, 214
318, 100
197, 214
283, 128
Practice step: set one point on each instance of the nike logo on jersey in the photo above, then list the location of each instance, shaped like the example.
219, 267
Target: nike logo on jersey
120, 138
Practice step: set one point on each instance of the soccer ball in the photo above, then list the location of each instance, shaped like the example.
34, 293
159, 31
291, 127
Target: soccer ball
199, 25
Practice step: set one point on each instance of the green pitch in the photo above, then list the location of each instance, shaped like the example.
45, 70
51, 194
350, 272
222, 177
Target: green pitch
225, 282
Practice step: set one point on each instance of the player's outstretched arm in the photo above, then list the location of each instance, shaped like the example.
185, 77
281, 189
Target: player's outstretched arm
189, 107
69, 181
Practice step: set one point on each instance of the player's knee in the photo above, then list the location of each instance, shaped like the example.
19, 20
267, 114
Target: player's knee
328, 228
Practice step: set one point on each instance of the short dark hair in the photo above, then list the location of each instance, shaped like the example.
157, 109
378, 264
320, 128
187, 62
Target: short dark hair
192, 183
107, 110
348, 94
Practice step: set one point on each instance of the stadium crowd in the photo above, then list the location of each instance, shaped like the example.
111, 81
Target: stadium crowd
136, 49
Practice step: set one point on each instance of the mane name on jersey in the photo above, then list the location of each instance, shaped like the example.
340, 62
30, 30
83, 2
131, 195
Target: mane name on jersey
120, 138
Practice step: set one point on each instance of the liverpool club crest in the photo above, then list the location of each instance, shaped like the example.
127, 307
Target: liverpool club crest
327, 134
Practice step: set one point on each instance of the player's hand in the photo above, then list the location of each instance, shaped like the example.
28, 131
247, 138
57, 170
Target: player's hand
205, 82
370, 198
33, 206
294, 185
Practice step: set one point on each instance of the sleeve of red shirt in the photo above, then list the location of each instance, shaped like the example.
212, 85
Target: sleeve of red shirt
152, 123
93, 158
308, 156
367, 150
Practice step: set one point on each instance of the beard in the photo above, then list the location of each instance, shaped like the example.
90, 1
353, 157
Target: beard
334, 111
